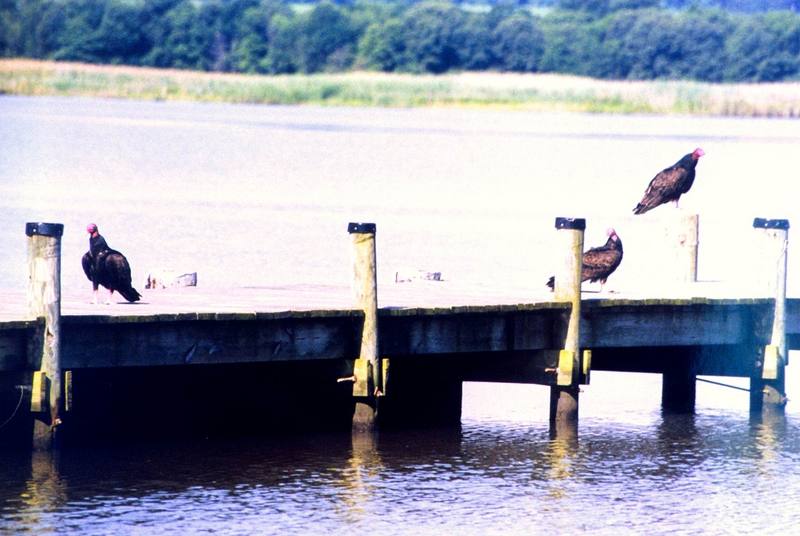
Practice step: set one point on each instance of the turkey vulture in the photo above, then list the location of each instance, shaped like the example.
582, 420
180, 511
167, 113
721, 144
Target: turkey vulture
599, 262
670, 183
107, 267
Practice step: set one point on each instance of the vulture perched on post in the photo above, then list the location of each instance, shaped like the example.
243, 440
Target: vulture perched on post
599, 262
670, 183
107, 267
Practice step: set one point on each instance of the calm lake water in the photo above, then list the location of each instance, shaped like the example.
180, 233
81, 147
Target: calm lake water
251, 196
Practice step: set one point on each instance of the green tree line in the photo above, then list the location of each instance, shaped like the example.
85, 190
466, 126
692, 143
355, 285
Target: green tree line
616, 39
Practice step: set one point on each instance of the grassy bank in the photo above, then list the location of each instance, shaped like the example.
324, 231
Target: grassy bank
546, 92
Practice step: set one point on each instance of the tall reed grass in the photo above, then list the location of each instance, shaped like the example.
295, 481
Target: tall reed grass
545, 92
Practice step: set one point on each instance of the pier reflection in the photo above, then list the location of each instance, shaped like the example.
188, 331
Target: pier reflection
44, 492
484, 475
561, 455
364, 467
768, 430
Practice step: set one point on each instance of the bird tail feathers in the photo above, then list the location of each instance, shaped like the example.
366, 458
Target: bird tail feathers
130, 294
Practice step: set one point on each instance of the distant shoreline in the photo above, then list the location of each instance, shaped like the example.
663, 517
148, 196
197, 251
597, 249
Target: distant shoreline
536, 92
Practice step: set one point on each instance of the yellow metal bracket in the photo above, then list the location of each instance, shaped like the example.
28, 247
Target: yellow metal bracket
772, 356
362, 373
40, 391
384, 375
566, 358
586, 366
363, 384
68, 405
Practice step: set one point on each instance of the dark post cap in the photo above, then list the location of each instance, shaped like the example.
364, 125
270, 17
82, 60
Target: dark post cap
361, 228
44, 229
763, 223
571, 223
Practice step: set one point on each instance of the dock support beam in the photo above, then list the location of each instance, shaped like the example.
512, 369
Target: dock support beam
768, 384
564, 395
44, 301
365, 287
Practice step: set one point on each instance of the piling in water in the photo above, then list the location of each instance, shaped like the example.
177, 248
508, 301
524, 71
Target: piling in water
567, 287
366, 369
768, 384
44, 301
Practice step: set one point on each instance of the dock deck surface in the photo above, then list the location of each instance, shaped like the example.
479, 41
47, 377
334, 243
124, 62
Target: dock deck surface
417, 294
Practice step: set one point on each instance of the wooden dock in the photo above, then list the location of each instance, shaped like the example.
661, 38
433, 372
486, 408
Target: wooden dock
610, 320
207, 361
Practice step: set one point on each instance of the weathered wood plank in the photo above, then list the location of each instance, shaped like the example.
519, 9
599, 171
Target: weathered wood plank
210, 341
451, 331
14, 349
666, 325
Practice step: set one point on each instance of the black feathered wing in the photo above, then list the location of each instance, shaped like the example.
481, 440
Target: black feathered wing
111, 269
88, 266
599, 263
668, 185
118, 275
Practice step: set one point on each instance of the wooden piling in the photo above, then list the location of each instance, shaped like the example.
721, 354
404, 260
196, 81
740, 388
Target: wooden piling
675, 249
686, 243
564, 395
679, 382
44, 301
768, 384
367, 369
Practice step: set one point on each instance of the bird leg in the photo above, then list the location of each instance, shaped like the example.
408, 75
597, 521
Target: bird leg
108, 300
94, 297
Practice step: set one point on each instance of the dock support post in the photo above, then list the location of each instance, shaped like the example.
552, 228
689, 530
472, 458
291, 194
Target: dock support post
44, 301
679, 383
687, 243
367, 371
564, 395
768, 384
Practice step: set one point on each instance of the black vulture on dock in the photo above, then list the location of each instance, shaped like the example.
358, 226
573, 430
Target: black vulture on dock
670, 183
599, 262
107, 267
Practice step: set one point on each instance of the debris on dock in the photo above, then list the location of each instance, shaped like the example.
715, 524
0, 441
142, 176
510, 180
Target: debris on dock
407, 276
170, 278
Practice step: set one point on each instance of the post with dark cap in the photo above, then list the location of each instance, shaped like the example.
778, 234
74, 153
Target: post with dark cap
768, 383
44, 301
366, 372
564, 395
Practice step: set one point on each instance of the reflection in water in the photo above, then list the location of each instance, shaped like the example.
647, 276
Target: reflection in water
40, 496
45, 490
768, 429
678, 474
561, 453
360, 480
